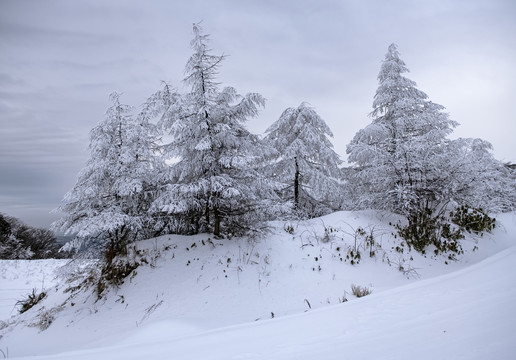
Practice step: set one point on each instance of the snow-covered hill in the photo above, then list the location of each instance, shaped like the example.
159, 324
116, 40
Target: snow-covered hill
284, 297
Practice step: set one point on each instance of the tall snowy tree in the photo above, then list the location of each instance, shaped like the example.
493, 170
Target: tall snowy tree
402, 156
305, 162
112, 195
405, 163
211, 185
399, 153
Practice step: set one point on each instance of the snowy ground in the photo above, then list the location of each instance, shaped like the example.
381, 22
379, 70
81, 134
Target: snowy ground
282, 298
19, 277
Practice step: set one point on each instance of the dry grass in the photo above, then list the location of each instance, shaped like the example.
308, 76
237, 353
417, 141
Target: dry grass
360, 291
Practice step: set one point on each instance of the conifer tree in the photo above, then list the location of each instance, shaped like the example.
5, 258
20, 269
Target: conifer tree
399, 153
212, 186
112, 195
305, 163
405, 163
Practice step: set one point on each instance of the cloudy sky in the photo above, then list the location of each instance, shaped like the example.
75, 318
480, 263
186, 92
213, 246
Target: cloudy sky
60, 60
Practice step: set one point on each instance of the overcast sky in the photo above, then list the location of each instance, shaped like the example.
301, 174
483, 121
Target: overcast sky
59, 60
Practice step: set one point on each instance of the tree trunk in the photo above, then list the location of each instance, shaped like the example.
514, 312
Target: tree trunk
296, 185
207, 213
216, 226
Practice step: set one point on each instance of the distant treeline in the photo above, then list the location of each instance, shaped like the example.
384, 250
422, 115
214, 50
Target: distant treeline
20, 241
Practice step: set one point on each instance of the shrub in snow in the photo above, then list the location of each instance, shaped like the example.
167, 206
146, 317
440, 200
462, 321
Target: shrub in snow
114, 274
46, 318
472, 220
31, 300
430, 230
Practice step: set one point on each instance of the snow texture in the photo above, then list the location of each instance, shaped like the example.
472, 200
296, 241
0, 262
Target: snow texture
281, 298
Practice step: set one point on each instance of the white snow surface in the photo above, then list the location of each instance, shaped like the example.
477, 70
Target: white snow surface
216, 301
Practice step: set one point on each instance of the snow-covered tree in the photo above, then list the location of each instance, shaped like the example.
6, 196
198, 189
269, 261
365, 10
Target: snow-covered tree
305, 163
10, 246
405, 163
113, 194
399, 155
478, 179
211, 184
403, 158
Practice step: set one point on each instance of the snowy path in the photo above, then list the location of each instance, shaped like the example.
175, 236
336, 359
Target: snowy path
468, 314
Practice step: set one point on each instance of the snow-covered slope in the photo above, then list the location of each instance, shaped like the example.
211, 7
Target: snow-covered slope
217, 300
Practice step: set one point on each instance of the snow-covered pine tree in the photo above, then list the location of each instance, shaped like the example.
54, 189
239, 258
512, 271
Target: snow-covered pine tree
405, 163
112, 195
402, 158
211, 185
305, 163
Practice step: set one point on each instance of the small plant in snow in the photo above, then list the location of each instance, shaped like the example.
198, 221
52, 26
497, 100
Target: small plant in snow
370, 242
343, 299
30, 301
406, 269
353, 256
360, 291
46, 319
327, 233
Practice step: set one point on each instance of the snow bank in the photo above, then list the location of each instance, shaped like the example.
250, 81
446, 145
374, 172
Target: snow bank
280, 298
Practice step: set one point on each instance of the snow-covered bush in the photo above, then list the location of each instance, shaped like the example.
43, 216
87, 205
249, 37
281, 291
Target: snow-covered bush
31, 300
428, 230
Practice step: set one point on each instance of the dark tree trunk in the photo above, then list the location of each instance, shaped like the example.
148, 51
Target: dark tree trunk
216, 226
296, 185
207, 214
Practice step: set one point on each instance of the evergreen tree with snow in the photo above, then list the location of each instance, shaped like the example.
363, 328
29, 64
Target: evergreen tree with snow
401, 157
113, 192
305, 163
211, 185
398, 155
404, 162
